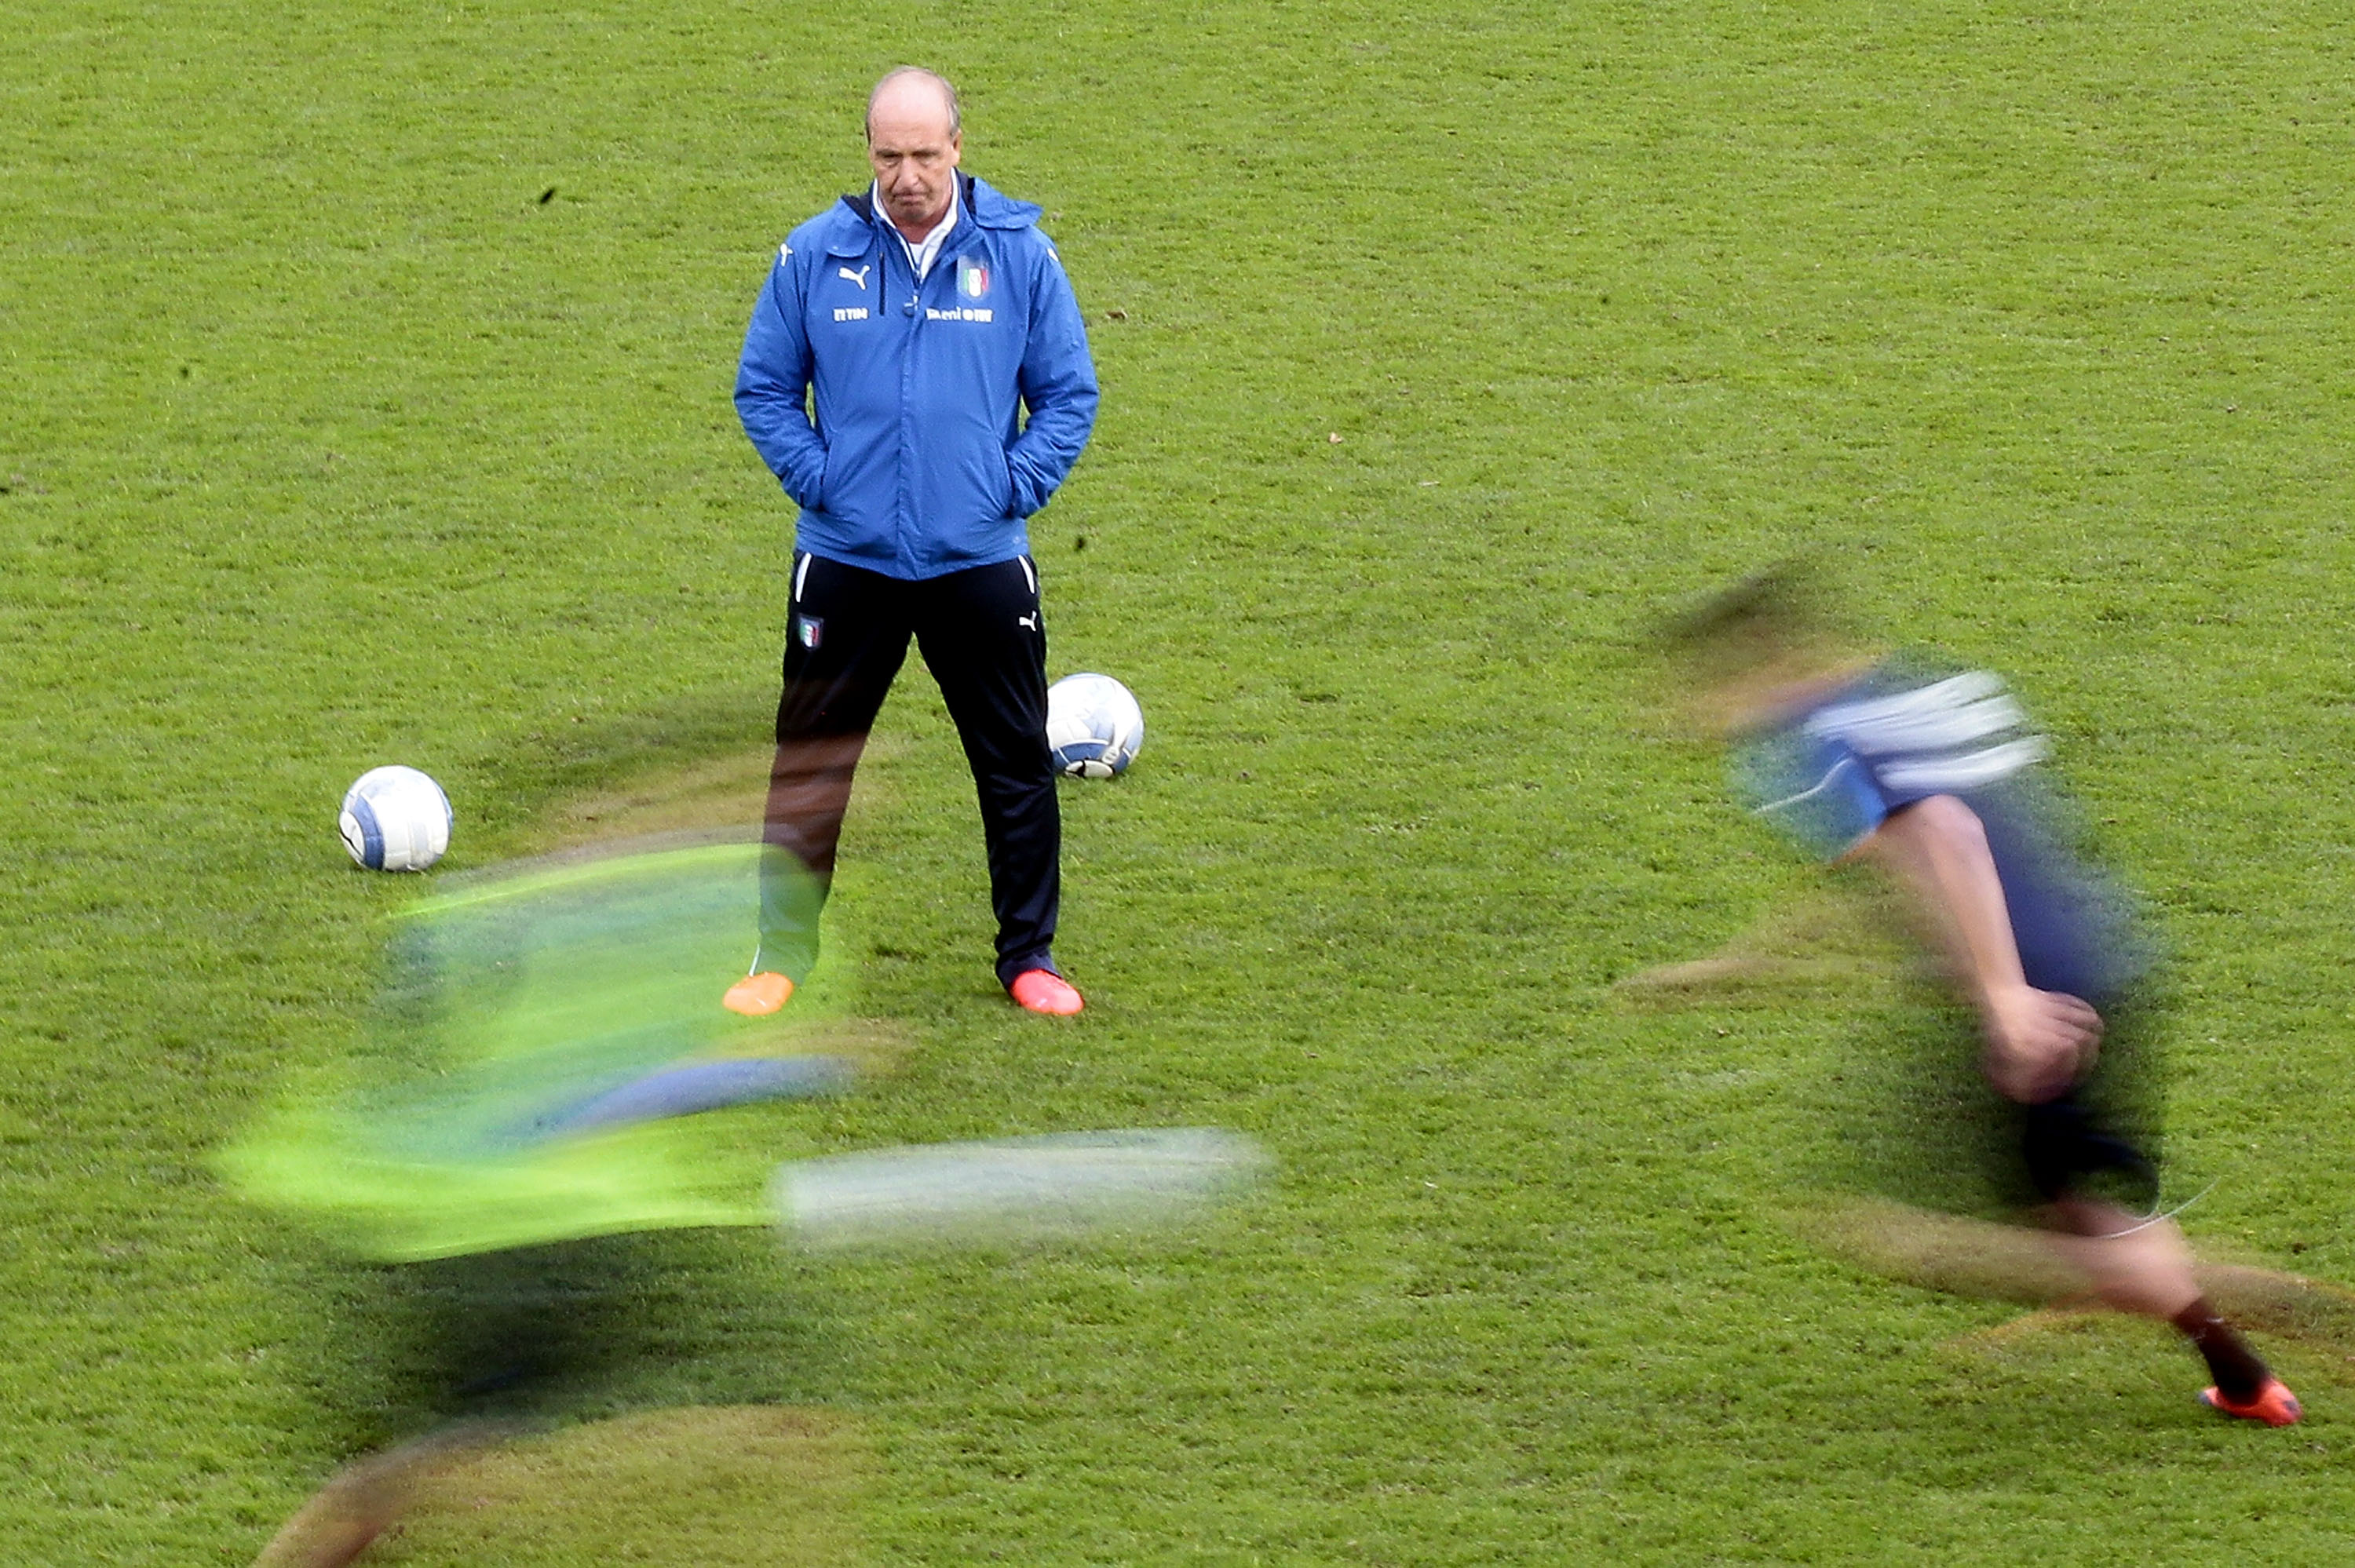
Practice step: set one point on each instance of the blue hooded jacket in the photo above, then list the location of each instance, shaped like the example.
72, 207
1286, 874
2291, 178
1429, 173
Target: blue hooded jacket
918, 462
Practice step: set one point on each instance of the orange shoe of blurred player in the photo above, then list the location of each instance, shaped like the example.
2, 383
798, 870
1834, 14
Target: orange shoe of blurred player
1044, 991
757, 996
2273, 1404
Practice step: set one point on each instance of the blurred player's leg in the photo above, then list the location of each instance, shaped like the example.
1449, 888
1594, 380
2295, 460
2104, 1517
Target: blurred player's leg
2143, 1265
368, 1497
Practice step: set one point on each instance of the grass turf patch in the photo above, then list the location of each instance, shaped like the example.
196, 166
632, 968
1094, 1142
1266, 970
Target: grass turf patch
326, 441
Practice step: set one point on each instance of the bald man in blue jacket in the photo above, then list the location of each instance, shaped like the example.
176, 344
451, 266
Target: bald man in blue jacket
903, 337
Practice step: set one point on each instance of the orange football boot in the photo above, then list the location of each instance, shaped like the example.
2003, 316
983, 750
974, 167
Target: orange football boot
2275, 1405
757, 996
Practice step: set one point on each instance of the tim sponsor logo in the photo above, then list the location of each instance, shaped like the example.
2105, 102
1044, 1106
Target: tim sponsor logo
850, 313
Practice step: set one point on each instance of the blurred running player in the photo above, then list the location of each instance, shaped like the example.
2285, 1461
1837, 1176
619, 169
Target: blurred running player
512, 1159
1930, 775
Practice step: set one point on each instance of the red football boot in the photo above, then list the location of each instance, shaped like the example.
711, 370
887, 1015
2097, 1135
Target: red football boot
1044, 991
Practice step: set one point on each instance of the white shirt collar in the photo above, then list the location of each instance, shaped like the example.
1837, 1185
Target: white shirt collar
921, 255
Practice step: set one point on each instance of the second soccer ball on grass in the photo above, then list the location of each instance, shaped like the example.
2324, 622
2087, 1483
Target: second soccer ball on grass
395, 819
1094, 727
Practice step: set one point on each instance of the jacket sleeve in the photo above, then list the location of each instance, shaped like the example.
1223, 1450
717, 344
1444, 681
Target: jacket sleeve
773, 387
1057, 384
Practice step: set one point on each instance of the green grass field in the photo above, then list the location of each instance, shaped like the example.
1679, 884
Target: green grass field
325, 441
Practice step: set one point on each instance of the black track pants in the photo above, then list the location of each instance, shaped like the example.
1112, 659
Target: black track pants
980, 633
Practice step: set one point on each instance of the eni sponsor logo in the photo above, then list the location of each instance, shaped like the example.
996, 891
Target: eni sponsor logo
850, 313
961, 315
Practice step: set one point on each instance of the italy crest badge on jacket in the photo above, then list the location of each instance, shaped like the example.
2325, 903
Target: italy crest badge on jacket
972, 277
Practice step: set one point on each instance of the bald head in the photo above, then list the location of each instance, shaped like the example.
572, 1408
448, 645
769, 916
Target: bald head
914, 142
912, 90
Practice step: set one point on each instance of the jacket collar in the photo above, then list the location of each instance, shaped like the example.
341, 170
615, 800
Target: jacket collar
984, 203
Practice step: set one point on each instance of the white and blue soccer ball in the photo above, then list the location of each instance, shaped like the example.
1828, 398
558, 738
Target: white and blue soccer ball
1094, 727
396, 819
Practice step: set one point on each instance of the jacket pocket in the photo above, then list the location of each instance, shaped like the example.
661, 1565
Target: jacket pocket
1007, 502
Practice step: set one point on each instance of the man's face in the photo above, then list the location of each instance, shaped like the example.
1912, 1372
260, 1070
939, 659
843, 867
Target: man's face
914, 153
